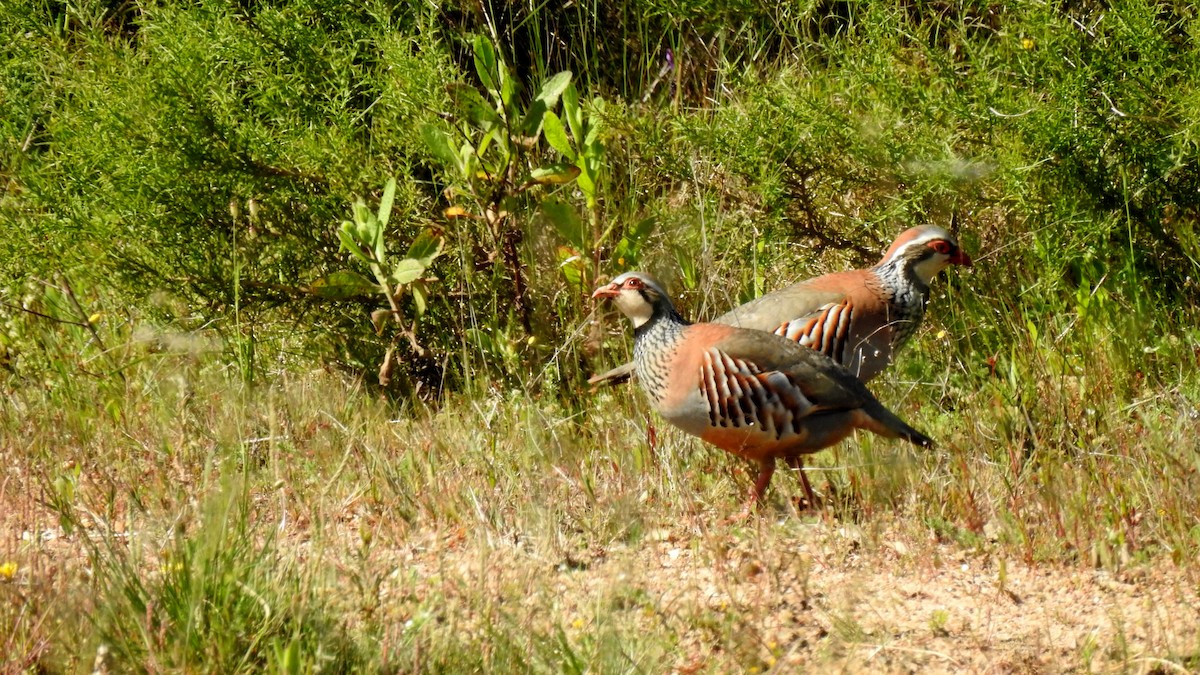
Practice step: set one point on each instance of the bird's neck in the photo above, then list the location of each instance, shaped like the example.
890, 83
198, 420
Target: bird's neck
654, 346
906, 293
665, 322
902, 282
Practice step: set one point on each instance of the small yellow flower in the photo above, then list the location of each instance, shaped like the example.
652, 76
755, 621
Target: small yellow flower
8, 570
577, 624
1027, 43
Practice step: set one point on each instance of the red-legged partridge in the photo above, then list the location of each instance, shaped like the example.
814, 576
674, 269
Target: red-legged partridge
757, 395
859, 318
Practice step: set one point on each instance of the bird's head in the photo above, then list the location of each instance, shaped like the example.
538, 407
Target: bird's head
926, 250
638, 295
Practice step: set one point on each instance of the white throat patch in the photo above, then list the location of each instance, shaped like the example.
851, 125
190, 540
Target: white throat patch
928, 268
634, 306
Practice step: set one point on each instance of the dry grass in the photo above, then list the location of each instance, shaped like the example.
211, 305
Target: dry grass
505, 532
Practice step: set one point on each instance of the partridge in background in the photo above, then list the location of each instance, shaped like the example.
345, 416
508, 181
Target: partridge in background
757, 395
859, 318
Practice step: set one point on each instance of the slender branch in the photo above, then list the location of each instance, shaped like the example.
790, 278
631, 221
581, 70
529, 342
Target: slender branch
66, 286
44, 316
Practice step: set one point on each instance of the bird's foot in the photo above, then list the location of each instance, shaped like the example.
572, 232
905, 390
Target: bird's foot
751, 507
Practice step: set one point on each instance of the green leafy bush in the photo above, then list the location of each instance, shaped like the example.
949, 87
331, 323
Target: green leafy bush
208, 152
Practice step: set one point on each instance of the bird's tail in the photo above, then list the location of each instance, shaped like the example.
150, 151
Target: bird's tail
616, 376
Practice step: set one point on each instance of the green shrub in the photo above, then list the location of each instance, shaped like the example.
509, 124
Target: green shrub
199, 166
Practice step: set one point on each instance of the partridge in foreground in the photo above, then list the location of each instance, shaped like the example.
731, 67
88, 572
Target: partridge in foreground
757, 395
859, 318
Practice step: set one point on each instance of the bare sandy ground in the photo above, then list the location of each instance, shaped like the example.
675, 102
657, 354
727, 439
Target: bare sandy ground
817, 597
768, 595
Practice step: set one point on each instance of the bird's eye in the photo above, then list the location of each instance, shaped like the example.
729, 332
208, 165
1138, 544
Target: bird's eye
634, 283
942, 246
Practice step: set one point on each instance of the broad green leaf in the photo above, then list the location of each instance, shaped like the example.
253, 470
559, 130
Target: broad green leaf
554, 174
367, 229
350, 241
531, 124
486, 140
407, 271
591, 168
385, 203
571, 110
556, 135
485, 63
439, 144
586, 183
426, 247
365, 233
420, 295
343, 285
508, 89
469, 161
378, 247
473, 108
592, 139
361, 214
385, 213
546, 99
566, 221
553, 87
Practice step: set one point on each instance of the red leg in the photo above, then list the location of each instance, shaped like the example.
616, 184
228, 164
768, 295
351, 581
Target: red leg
797, 463
766, 468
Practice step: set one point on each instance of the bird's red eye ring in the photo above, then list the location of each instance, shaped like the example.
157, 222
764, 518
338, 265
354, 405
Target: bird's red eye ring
942, 246
633, 283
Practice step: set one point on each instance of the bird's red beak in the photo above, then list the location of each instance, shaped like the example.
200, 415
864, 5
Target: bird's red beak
960, 257
607, 291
